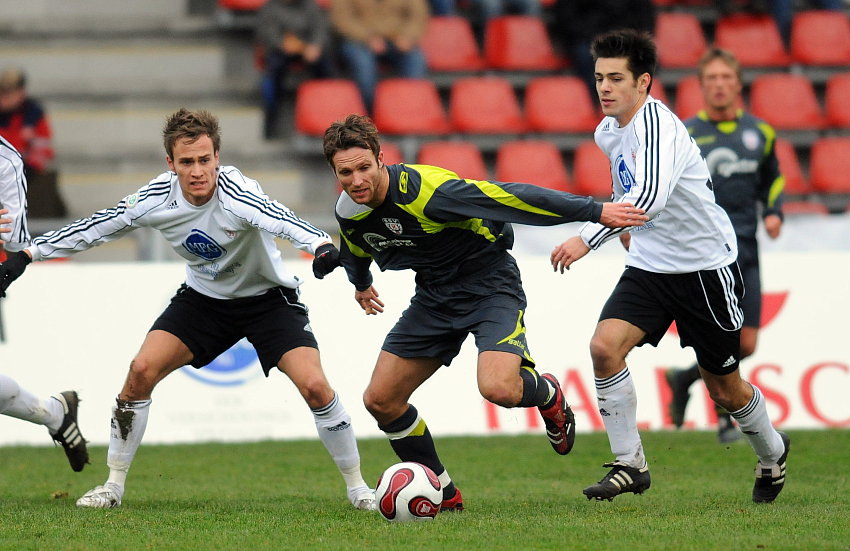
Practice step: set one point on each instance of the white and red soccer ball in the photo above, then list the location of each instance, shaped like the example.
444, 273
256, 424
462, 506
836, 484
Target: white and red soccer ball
409, 491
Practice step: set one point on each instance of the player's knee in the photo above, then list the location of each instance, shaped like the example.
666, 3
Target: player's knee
141, 379
601, 351
500, 394
382, 407
316, 391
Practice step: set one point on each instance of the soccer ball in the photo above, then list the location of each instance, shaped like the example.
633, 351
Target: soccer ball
409, 491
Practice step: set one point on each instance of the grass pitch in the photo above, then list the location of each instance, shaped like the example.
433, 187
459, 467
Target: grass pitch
518, 494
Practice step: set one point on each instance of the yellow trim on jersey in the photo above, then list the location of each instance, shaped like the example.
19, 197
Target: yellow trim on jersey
518, 330
499, 195
775, 190
355, 250
769, 135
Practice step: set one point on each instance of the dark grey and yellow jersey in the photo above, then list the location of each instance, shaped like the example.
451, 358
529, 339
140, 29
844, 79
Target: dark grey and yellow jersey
744, 170
444, 227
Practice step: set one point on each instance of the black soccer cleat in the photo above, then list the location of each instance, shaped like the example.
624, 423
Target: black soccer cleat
619, 480
69, 434
771, 478
559, 420
680, 395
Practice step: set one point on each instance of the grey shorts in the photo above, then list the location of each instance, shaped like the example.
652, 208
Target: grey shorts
490, 305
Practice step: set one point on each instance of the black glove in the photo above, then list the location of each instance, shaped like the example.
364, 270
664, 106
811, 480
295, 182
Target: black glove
326, 261
12, 269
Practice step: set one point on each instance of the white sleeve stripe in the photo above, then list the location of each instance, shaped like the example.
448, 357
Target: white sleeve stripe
265, 206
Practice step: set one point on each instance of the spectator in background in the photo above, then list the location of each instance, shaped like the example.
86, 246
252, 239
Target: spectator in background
576, 22
290, 31
24, 123
380, 30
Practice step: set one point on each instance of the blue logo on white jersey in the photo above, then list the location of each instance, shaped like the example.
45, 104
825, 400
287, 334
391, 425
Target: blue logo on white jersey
200, 244
234, 367
626, 178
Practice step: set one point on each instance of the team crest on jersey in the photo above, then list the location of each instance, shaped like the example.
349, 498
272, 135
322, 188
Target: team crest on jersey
751, 139
626, 178
200, 244
230, 233
131, 200
393, 224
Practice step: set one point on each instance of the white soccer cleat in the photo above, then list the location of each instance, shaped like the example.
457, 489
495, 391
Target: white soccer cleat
102, 497
363, 498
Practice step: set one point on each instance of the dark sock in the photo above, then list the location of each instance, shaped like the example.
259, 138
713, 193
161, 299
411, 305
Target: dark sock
691, 374
418, 445
535, 390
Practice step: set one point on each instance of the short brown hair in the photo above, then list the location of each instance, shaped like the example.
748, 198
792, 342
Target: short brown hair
637, 47
191, 125
354, 131
719, 53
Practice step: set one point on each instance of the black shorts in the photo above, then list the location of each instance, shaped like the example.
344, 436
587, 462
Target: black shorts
748, 261
490, 305
705, 306
274, 323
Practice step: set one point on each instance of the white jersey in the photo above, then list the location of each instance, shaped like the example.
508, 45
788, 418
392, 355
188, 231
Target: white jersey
656, 166
228, 242
13, 196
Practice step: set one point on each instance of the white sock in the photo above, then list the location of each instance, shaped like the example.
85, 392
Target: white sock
335, 432
618, 408
129, 420
20, 403
755, 424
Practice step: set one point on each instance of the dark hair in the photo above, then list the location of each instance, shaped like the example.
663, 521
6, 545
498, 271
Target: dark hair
191, 125
354, 131
719, 53
636, 46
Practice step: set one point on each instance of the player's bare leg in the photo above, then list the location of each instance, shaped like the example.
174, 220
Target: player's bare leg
302, 365
160, 354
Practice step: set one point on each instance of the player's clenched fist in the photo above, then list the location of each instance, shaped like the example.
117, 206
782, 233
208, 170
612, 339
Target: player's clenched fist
326, 261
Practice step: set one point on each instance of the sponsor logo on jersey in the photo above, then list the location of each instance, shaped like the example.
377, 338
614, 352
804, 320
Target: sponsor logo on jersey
379, 242
200, 244
393, 224
626, 178
230, 233
402, 182
131, 200
172, 205
607, 127
725, 162
234, 367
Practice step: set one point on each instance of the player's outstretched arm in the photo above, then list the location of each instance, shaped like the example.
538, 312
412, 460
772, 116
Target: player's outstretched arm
369, 301
568, 252
622, 215
12, 269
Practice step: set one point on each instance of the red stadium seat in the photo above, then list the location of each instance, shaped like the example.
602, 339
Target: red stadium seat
449, 45
241, 5
820, 37
320, 102
836, 100
789, 166
591, 171
680, 40
409, 106
485, 105
804, 207
689, 100
830, 164
537, 162
786, 101
754, 39
559, 104
462, 158
518, 43
392, 153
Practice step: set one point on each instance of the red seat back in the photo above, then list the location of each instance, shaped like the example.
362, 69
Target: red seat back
830, 164
836, 100
320, 102
789, 166
786, 101
537, 162
679, 38
485, 105
820, 38
559, 104
462, 158
449, 44
518, 43
592, 171
754, 39
409, 106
